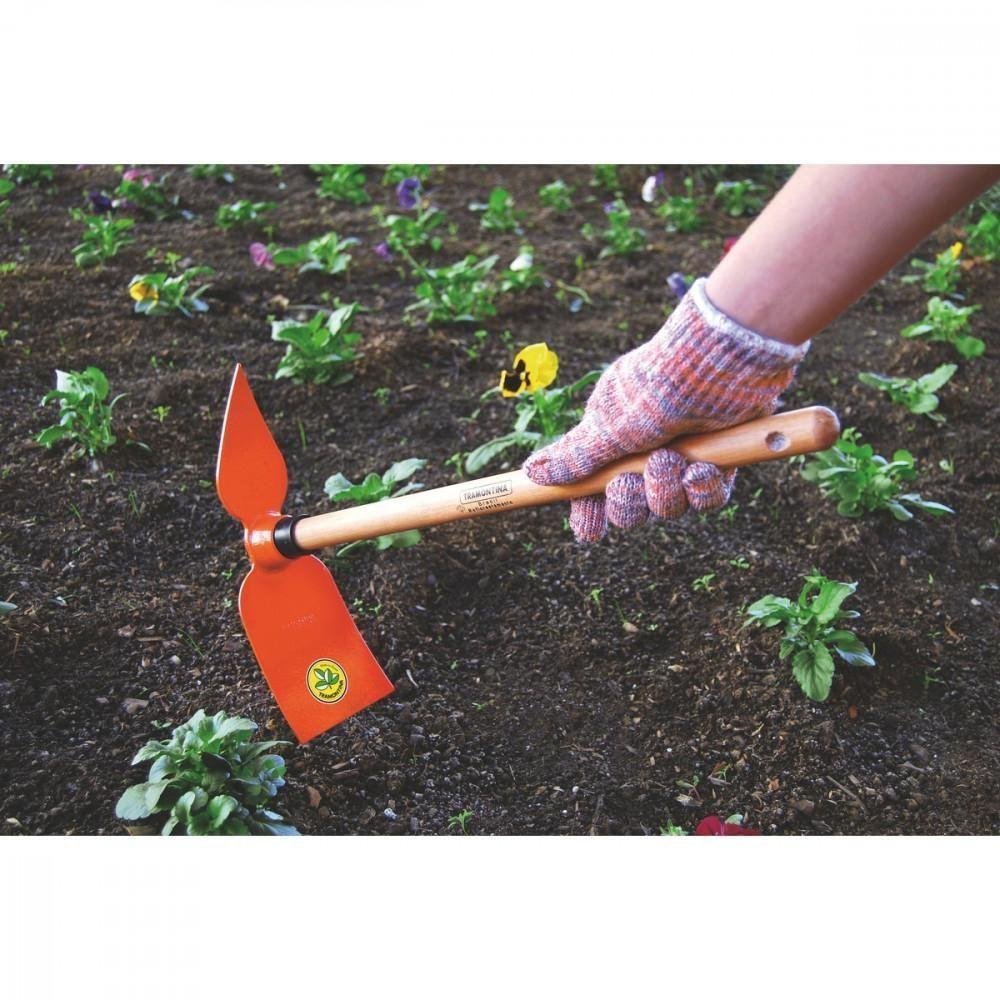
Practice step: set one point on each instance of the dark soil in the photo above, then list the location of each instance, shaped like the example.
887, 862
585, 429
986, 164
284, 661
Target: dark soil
544, 686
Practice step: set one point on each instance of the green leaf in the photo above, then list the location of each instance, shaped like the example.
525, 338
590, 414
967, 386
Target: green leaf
933, 381
832, 593
219, 809
850, 648
132, 804
402, 470
813, 669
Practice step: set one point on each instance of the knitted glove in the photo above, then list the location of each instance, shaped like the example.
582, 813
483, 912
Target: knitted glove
701, 372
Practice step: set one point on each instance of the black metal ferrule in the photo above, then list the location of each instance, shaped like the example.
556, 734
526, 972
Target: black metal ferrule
284, 537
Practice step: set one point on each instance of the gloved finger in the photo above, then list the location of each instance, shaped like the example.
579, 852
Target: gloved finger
625, 501
587, 519
707, 486
577, 454
662, 479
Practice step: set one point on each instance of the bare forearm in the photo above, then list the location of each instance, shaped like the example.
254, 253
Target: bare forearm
829, 235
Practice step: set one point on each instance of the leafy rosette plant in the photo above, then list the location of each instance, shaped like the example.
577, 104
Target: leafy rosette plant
84, 416
341, 182
946, 323
941, 275
984, 237
918, 395
102, 237
411, 232
458, 293
159, 294
241, 212
739, 197
861, 481
811, 632
325, 253
373, 488
499, 214
321, 350
557, 196
541, 414
209, 778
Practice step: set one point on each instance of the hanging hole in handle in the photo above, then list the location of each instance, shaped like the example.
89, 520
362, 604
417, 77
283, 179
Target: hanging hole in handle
776, 441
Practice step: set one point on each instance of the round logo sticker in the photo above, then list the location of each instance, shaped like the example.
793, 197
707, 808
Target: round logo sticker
327, 681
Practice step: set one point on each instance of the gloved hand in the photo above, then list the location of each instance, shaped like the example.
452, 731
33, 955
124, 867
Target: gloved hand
701, 372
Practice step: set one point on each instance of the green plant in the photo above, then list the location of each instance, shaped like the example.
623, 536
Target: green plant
411, 232
918, 395
861, 481
458, 293
161, 413
6, 186
523, 273
739, 197
320, 350
6, 608
670, 830
29, 173
140, 189
84, 417
341, 182
103, 236
373, 488
159, 293
539, 418
703, 583
241, 212
984, 237
460, 821
946, 323
605, 177
621, 237
811, 632
498, 211
942, 275
325, 253
680, 211
209, 778
211, 171
556, 196
396, 172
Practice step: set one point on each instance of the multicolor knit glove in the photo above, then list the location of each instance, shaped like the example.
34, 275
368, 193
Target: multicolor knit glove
701, 372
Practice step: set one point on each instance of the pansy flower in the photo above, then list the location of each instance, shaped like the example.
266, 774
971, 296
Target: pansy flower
141, 291
677, 283
535, 367
145, 177
408, 192
382, 250
956, 249
100, 202
261, 256
712, 826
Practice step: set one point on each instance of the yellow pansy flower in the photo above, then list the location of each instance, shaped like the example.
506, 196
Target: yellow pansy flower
956, 249
535, 367
140, 291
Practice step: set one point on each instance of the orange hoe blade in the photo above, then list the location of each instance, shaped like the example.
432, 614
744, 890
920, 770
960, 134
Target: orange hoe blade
311, 652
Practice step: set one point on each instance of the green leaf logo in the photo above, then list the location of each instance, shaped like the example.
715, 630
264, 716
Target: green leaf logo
327, 681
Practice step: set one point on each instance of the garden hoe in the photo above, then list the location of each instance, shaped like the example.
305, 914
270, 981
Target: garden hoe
311, 652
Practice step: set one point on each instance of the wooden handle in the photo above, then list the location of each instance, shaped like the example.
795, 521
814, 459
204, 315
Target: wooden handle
780, 436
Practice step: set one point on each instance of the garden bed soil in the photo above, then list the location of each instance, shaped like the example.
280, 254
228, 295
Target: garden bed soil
544, 686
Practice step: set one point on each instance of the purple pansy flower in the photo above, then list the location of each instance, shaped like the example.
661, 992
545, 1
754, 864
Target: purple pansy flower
100, 202
261, 256
383, 251
408, 192
611, 206
677, 283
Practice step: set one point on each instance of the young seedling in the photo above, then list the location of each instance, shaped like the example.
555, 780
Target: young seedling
325, 253
209, 778
946, 323
703, 583
34, 174
861, 481
84, 416
556, 196
458, 293
984, 237
211, 171
811, 632
942, 275
102, 238
460, 821
680, 211
321, 350
739, 197
341, 182
621, 237
407, 233
918, 395
159, 294
371, 489
161, 413
541, 414
499, 215
241, 212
